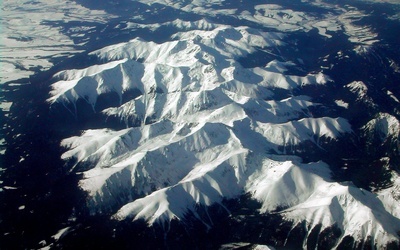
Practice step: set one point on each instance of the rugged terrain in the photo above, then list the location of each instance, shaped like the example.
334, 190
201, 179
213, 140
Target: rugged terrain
280, 120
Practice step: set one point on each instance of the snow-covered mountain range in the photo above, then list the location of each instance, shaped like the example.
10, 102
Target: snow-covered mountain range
291, 105
202, 128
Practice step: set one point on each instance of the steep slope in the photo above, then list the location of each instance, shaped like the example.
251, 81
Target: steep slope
384, 129
201, 128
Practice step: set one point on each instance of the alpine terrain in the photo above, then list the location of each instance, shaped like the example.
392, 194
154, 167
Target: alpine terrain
204, 124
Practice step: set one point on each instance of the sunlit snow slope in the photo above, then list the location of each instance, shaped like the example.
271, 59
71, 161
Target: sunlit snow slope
202, 128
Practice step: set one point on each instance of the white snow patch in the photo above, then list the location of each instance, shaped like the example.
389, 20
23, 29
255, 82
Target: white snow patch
60, 233
391, 95
342, 104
